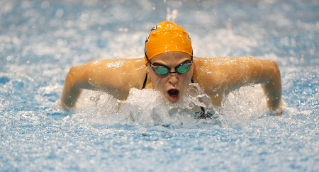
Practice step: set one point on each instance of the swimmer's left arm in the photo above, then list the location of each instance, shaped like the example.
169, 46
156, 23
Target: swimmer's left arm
221, 75
270, 79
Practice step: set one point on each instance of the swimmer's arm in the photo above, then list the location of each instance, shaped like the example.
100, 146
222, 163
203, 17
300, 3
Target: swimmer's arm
265, 72
223, 75
75, 81
116, 77
270, 79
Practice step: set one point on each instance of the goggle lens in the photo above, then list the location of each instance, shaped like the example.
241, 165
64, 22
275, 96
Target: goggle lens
161, 70
183, 69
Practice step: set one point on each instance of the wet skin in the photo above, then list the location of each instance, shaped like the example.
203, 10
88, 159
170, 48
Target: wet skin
216, 76
172, 85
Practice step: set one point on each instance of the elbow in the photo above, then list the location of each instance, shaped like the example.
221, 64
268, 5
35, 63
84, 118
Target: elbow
273, 76
72, 71
276, 73
71, 89
70, 80
271, 72
71, 77
78, 77
274, 67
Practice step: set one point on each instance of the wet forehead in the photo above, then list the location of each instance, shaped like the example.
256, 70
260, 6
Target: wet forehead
171, 58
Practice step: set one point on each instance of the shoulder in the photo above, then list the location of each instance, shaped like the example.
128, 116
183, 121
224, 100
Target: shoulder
117, 73
219, 63
216, 70
203, 66
117, 63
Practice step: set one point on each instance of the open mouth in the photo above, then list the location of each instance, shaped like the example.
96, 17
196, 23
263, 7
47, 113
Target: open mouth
173, 94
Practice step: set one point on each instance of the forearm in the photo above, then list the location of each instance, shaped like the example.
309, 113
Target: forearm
272, 85
75, 81
265, 72
273, 96
70, 95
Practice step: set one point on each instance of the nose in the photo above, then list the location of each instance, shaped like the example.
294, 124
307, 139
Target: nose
172, 70
173, 79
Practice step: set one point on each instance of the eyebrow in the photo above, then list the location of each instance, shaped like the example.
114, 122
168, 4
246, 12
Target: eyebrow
158, 64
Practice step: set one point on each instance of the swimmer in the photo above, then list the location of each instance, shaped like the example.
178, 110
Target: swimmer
169, 67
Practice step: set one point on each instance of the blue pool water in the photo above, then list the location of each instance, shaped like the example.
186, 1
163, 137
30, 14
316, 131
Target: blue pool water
41, 40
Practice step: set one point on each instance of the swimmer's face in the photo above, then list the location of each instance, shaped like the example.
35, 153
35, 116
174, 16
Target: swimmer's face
172, 85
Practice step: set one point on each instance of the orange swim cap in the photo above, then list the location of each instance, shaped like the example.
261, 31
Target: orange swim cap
166, 37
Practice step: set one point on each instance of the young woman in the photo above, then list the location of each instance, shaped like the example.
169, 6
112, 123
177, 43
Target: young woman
169, 67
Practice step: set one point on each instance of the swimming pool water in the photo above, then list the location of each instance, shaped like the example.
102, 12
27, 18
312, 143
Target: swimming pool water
41, 40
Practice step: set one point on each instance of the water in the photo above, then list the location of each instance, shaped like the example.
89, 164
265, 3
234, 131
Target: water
41, 40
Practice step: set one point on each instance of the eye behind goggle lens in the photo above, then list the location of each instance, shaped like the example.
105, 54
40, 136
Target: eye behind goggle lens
161, 70
183, 69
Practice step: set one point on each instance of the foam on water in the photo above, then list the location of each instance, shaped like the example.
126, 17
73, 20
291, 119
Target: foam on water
146, 107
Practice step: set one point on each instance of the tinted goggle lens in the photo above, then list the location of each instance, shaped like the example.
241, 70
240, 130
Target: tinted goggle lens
163, 70
183, 69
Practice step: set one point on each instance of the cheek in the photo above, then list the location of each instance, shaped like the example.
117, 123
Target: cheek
156, 81
187, 79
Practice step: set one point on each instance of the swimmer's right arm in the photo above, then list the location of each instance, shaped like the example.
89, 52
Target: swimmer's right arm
76, 80
115, 77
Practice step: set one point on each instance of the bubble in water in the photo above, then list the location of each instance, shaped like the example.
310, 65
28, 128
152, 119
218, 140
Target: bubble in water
7, 8
59, 13
25, 4
9, 58
84, 17
45, 4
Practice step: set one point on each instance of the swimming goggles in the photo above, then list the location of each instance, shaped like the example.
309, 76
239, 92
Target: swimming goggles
163, 70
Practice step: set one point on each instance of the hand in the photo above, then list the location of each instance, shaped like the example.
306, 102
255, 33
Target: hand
280, 109
279, 112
